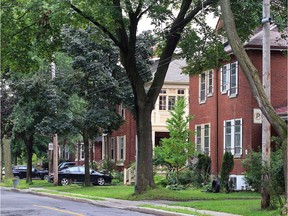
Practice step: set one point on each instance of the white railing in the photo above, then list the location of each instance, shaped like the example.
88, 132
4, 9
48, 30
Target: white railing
129, 175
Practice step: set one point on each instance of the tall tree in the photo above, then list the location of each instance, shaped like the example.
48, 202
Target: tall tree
119, 21
93, 89
34, 111
252, 76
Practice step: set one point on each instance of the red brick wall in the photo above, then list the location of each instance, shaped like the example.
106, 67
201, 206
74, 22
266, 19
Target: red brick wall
128, 129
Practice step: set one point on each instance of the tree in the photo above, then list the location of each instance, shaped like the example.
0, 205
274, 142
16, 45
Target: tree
252, 76
33, 113
119, 21
92, 86
177, 149
226, 168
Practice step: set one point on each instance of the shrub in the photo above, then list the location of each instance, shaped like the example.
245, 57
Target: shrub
202, 170
254, 170
227, 167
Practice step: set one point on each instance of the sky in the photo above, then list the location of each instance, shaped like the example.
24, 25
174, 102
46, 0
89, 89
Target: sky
145, 23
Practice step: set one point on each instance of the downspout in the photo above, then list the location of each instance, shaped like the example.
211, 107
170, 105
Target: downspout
217, 125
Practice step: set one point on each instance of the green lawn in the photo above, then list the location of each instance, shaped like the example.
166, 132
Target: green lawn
241, 207
242, 203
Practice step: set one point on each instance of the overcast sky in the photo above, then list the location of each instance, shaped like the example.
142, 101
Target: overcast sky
145, 23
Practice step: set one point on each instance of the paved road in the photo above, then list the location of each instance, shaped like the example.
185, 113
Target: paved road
24, 204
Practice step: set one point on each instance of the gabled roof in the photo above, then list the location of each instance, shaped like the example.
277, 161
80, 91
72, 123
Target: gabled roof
255, 42
174, 72
282, 112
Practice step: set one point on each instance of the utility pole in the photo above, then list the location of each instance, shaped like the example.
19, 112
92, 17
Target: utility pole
55, 139
266, 127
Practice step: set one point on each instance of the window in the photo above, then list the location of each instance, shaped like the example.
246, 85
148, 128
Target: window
162, 99
122, 111
203, 138
229, 79
167, 98
233, 136
210, 83
202, 88
171, 102
112, 148
82, 154
67, 152
181, 91
206, 85
121, 148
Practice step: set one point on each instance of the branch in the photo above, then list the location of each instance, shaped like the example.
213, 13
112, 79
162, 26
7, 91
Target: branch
96, 23
192, 14
24, 29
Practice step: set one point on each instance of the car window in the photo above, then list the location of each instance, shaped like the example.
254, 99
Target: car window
82, 169
73, 169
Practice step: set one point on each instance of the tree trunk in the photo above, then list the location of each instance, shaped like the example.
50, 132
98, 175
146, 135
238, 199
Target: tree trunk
144, 165
265, 190
86, 159
7, 157
29, 149
252, 76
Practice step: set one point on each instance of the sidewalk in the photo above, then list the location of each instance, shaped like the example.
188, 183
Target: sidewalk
123, 204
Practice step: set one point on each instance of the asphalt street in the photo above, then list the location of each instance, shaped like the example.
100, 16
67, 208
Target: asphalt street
23, 204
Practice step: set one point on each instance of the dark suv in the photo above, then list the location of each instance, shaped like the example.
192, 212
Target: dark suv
21, 172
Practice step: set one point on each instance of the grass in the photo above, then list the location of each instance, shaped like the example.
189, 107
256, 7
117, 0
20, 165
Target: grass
240, 207
243, 203
185, 211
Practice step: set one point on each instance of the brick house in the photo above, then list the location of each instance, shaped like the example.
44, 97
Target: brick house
120, 146
225, 111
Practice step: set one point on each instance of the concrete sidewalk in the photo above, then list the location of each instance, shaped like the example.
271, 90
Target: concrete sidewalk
122, 204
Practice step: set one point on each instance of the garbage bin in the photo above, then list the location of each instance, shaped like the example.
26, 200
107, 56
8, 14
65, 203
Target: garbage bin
15, 182
215, 186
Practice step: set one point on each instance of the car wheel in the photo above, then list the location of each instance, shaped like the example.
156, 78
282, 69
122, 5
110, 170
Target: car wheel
100, 181
64, 181
45, 177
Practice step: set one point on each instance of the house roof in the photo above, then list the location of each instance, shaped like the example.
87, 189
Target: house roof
282, 112
174, 72
255, 42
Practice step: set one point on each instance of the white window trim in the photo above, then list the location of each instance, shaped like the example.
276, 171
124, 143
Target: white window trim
82, 154
236, 68
67, 152
200, 88
112, 144
226, 88
233, 136
122, 111
167, 94
203, 137
119, 149
209, 94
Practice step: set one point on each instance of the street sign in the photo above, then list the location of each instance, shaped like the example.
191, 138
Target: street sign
50, 146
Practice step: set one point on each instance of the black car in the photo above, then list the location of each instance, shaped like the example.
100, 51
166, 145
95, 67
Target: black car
20, 171
76, 174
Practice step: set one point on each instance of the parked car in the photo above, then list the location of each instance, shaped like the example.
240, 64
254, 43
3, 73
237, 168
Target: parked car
64, 165
76, 174
21, 172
